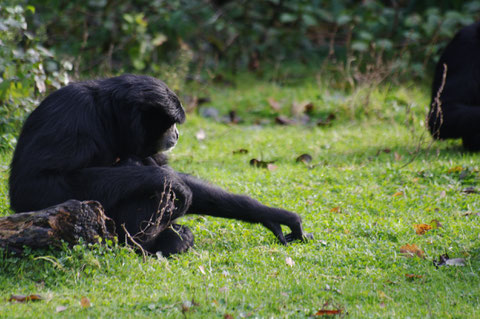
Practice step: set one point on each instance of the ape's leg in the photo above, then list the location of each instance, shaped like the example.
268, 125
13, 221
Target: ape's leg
110, 185
455, 120
472, 142
210, 200
145, 218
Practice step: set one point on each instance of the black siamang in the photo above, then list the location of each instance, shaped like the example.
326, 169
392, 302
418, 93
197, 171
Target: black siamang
103, 140
455, 107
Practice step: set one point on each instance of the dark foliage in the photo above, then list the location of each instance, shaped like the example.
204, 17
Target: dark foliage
456, 112
99, 140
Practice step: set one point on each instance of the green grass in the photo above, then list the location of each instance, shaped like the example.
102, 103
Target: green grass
354, 263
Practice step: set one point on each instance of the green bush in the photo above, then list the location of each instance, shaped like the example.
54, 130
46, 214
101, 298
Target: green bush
144, 36
27, 70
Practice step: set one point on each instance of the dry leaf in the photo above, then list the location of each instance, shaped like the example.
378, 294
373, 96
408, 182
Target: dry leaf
85, 302
470, 190
421, 229
283, 120
202, 269
327, 121
233, 117
326, 312
397, 156
444, 260
455, 262
200, 135
411, 250
468, 213
397, 194
240, 151
274, 104
186, 305
271, 167
227, 316
305, 158
336, 210
289, 261
302, 107
60, 308
261, 164
24, 298
456, 169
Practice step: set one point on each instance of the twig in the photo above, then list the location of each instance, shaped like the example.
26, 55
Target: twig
437, 106
144, 254
437, 103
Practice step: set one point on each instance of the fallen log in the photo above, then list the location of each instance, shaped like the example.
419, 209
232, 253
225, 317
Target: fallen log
67, 222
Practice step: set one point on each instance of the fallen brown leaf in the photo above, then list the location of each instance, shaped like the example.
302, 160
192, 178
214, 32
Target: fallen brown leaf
468, 213
302, 107
470, 190
421, 229
326, 312
411, 250
233, 117
336, 210
326, 121
397, 194
305, 158
274, 104
24, 298
261, 164
240, 151
456, 169
85, 302
283, 120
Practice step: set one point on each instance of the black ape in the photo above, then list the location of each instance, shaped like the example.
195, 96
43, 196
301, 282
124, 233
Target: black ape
459, 113
99, 140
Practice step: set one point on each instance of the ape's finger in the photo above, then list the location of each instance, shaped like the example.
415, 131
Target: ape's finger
304, 237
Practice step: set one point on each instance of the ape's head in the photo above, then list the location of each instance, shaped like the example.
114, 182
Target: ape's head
154, 112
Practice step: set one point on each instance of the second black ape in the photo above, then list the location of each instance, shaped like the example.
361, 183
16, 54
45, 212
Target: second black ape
456, 113
100, 140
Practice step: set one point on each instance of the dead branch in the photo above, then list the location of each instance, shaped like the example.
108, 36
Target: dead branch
69, 222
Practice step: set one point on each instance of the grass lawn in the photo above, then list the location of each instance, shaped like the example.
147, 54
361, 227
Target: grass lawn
374, 175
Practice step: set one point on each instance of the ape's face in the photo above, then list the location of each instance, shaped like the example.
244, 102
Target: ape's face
168, 140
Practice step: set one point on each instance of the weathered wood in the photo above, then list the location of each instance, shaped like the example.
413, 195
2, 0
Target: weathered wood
68, 221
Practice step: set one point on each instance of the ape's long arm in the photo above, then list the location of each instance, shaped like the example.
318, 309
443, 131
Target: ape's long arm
213, 201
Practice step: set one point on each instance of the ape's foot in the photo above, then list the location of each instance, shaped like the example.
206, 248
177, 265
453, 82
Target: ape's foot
173, 240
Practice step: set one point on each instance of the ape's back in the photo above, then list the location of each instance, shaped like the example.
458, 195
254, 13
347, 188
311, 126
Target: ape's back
60, 135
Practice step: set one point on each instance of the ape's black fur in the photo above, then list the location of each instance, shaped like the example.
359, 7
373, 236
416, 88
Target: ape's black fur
99, 140
459, 113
